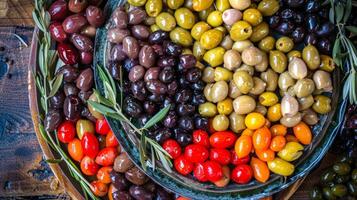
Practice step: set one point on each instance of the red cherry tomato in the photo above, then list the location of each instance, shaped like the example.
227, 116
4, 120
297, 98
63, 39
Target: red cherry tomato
111, 140
199, 173
235, 160
103, 174
66, 132
102, 126
200, 137
106, 156
196, 153
213, 170
99, 189
75, 149
88, 166
90, 145
242, 174
183, 166
172, 147
222, 156
222, 139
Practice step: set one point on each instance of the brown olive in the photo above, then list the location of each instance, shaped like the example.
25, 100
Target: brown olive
119, 18
95, 16
72, 108
117, 35
147, 56
82, 42
137, 15
136, 73
305, 102
140, 32
310, 117
117, 53
77, 6
131, 47
85, 80
136, 176
74, 23
152, 74
89, 31
69, 72
122, 163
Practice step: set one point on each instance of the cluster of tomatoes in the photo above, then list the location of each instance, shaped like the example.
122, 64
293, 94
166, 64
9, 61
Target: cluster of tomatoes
94, 146
224, 155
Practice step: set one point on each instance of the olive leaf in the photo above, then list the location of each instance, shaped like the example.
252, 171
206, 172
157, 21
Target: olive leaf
115, 116
102, 99
109, 93
157, 117
100, 108
56, 85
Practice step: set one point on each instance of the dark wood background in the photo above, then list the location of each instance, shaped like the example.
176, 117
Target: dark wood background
23, 173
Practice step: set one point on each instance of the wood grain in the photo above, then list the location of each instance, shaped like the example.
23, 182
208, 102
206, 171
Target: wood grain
16, 12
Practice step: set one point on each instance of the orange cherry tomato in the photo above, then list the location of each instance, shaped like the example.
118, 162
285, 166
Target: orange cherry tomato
247, 132
106, 156
99, 189
260, 170
277, 143
261, 138
111, 190
243, 146
103, 174
75, 149
265, 155
88, 166
291, 138
111, 140
303, 133
182, 198
267, 198
278, 129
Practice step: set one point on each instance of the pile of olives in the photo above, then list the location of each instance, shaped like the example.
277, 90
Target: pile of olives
339, 181
158, 73
305, 21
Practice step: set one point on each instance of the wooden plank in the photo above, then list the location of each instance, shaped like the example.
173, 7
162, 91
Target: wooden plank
16, 12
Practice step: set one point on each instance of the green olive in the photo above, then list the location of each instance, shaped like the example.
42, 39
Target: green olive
153, 7
304, 87
352, 188
154, 28
305, 102
339, 190
327, 193
214, 57
220, 123
198, 29
232, 60
261, 109
315, 194
310, 117
207, 109
227, 42
181, 36
247, 68
270, 77
311, 57
259, 32
185, 18
219, 91
166, 21
200, 5
222, 74
327, 176
241, 45
241, 30
291, 121
137, 2
244, 81
263, 65
198, 50
323, 80
327, 63
259, 86
297, 68
84, 126
208, 75
278, 61
225, 107
174, 4
222, 5
233, 90
236, 122
322, 104
294, 53
266, 44
341, 168
244, 104
252, 56
285, 81
268, 7
354, 175
92, 110
253, 16
211, 39
203, 15
284, 44
215, 18
207, 92
268, 99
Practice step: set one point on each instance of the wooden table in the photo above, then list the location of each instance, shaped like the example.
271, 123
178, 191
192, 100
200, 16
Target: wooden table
23, 171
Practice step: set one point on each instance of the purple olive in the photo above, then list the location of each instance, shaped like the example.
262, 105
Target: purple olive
72, 108
136, 16
74, 23
58, 10
69, 72
52, 120
95, 16
82, 43
85, 80
117, 53
120, 18
57, 32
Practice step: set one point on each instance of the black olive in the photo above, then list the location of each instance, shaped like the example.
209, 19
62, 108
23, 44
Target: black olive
57, 100
150, 186
132, 107
201, 123
298, 34
193, 75
187, 61
287, 14
130, 63
294, 3
114, 70
168, 101
312, 23
312, 6
285, 27
325, 29
84, 95
69, 72
167, 75
138, 90
184, 82
52, 120
198, 86
158, 37
70, 89
162, 135
119, 181
149, 107
156, 98
143, 119
324, 45
185, 109
72, 108
198, 99
121, 195
162, 194
182, 137
299, 18
166, 61
87, 114
274, 21
311, 39
172, 49
184, 95
156, 87
170, 120
324, 12
352, 122
186, 123
172, 88
139, 193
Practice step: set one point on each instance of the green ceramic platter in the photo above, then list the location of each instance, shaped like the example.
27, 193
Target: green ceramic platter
324, 133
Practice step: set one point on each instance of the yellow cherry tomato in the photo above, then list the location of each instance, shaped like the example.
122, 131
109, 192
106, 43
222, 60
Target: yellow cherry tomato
281, 167
274, 113
260, 170
254, 120
278, 129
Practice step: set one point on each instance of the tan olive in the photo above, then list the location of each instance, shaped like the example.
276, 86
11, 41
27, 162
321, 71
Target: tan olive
267, 44
214, 57
240, 4
246, 68
311, 57
241, 45
310, 117
231, 16
322, 104
259, 32
207, 91
198, 50
219, 91
232, 60
290, 91
262, 66
200, 65
294, 53
323, 80
208, 75
297, 68
233, 90
181, 36
259, 86
327, 63
222, 74
304, 87
244, 104
305, 102
284, 44
227, 42
261, 109
291, 121
244, 81
220, 123
318, 91
289, 106
236, 122
278, 61
252, 56
174, 4
207, 109
270, 77
285, 81
198, 29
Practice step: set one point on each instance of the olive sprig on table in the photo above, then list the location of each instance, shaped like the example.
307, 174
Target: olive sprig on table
108, 106
48, 84
344, 51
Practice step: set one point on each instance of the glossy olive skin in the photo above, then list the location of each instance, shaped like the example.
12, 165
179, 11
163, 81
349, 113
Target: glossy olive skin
57, 32
67, 53
52, 119
74, 23
95, 16
58, 10
82, 43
